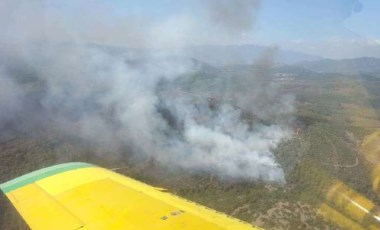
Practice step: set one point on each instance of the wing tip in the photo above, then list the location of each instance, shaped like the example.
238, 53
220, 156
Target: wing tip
31, 177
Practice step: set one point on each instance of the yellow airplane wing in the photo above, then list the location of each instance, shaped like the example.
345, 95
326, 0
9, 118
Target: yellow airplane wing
84, 196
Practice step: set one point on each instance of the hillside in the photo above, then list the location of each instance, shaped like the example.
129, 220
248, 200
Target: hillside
331, 119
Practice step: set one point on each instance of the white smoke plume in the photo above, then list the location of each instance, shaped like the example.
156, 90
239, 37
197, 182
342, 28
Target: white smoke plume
154, 105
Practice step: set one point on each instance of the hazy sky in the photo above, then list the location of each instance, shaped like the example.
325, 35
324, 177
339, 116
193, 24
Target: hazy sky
282, 19
331, 28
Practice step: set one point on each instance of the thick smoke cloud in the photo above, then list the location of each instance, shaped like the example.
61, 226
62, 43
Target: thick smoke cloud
156, 105
236, 16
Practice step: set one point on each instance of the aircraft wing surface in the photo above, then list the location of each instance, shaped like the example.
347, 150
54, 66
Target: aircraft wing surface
84, 196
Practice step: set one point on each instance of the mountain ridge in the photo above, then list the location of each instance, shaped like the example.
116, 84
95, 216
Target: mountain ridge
362, 65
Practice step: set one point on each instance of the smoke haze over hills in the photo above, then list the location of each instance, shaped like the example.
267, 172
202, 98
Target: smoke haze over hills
116, 100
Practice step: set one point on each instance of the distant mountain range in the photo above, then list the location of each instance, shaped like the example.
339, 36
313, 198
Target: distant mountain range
363, 65
218, 55
244, 54
249, 55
